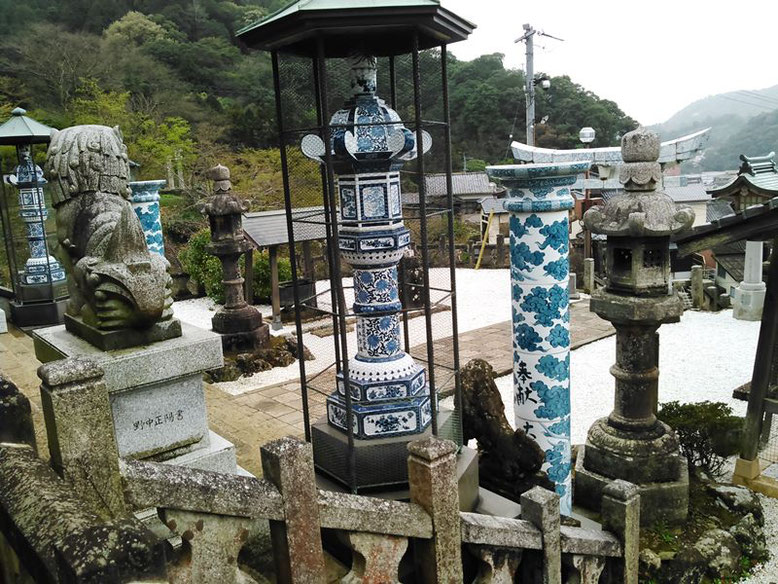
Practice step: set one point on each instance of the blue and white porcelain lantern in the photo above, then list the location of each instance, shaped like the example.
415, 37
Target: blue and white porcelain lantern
369, 145
145, 203
539, 200
41, 267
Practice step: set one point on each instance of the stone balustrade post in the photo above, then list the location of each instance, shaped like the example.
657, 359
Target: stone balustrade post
297, 547
498, 565
621, 516
432, 475
541, 508
586, 569
376, 557
80, 432
213, 541
15, 415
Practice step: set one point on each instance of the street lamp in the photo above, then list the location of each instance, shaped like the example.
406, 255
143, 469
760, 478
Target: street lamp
586, 136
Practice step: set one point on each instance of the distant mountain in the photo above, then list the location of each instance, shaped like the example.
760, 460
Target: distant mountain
741, 122
743, 104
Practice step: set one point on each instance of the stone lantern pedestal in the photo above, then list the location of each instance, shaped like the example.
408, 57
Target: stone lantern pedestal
539, 200
631, 443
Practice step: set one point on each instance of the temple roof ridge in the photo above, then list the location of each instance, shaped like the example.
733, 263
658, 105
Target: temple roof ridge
675, 150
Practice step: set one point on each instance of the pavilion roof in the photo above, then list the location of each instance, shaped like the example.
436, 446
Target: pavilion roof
268, 228
19, 129
375, 27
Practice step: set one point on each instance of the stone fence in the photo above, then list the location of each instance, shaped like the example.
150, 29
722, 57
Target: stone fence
76, 523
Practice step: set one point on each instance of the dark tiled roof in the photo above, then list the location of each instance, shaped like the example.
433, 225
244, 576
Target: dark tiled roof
755, 222
468, 183
716, 209
266, 228
492, 204
688, 193
733, 263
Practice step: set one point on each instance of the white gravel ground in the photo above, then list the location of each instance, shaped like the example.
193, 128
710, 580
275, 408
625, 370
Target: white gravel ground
703, 357
483, 299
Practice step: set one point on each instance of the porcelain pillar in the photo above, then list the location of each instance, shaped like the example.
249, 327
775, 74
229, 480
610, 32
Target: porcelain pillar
539, 200
145, 203
749, 296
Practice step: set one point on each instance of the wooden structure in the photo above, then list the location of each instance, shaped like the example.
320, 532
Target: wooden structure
268, 229
754, 223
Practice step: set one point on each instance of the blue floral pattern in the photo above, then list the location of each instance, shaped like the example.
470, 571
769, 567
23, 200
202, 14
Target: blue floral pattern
557, 269
554, 400
559, 336
545, 303
553, 368
557, 236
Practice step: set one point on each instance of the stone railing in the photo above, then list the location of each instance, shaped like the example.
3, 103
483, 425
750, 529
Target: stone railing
42, 513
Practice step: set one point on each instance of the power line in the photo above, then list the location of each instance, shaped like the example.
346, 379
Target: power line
755, 95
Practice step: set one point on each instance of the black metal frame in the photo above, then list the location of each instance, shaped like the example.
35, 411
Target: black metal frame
6, 223
340, 312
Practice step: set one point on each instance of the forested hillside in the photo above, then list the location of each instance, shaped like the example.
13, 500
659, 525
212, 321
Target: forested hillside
172, 74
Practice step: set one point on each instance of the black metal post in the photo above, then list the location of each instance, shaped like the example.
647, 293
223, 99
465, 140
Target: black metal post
451, 251
423, 230
290, 234
341, 304
329, 225
392, 83
760, 380
8, 236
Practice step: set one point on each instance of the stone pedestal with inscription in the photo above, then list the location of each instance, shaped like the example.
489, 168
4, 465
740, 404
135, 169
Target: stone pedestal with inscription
156, 394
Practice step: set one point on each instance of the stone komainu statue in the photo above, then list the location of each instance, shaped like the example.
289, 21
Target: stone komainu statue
115, 282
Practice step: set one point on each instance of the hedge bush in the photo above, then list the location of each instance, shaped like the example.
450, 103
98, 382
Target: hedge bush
207, 269
707, 431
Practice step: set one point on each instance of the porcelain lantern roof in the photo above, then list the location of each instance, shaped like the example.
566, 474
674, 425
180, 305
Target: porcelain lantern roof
367, 135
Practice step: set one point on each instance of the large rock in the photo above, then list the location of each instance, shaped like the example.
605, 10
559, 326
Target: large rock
510, 460
750, 538
739, 500
721, 553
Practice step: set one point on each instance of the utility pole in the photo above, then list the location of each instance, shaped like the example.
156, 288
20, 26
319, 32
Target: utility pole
529, 86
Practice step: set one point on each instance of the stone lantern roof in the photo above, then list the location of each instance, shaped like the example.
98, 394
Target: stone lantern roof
642, 211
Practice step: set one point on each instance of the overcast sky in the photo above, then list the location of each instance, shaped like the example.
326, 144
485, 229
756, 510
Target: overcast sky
652, 58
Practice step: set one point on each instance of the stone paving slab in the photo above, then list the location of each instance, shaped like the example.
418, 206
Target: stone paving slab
254, 418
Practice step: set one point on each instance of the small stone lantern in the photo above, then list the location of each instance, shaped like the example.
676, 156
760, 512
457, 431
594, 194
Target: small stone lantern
239, 324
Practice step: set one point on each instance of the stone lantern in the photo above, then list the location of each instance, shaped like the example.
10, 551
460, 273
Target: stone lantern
239, 324
631, 443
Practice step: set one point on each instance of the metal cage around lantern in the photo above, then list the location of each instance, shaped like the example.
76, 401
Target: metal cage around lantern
30, 276
393, 144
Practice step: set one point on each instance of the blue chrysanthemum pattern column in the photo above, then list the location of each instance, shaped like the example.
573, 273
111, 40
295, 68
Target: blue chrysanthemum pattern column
145, 202
389, 392
40, 267
539, 200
